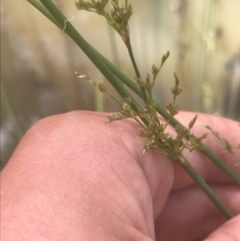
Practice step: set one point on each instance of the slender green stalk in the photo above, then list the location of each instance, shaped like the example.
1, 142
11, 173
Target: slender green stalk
205, 187
129, 47
133, 61
130, 52
99, 100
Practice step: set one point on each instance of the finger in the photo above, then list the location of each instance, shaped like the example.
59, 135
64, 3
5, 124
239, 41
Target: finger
74, 173
130, 178
190, 215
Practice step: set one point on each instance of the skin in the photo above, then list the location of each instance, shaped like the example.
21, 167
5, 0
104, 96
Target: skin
75, 177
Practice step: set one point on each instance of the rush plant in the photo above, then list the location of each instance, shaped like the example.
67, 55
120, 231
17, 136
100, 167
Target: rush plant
147, 114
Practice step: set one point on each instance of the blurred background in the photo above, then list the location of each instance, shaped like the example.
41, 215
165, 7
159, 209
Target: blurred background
38, 60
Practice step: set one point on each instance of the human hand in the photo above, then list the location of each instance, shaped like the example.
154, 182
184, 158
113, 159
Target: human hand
76, 177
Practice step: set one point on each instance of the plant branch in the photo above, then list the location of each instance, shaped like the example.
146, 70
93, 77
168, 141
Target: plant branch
111, 73
174, 122
98, 57
162, 111
129, 47
81, 42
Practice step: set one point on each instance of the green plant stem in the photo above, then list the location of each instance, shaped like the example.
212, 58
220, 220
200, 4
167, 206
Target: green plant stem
205, 187
134, 87
99, 100
129, 47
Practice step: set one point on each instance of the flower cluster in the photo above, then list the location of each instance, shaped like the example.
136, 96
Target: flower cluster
118, 17
152, 129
